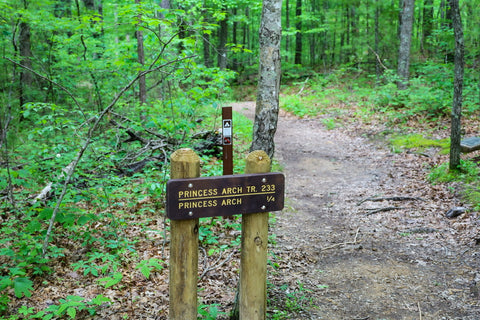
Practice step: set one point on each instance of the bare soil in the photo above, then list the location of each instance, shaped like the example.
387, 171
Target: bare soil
338, 255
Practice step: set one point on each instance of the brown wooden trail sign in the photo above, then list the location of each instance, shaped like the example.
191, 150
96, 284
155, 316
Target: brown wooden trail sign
189, 197
225, 195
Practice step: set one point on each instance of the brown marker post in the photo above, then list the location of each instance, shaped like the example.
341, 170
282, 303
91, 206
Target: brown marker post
253, 264
185, 163
227, 140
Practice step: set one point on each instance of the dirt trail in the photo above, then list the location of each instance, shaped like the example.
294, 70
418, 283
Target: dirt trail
340, 259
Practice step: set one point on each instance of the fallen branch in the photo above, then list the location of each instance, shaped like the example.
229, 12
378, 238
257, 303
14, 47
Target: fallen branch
44, 193
343, 243
88, 140
394, 198
215, 265
377, 210
378, 58
303, 87
133, 136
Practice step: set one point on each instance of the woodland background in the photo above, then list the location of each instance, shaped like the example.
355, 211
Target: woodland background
95, 95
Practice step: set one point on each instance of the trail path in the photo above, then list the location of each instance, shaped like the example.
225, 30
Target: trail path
338, 258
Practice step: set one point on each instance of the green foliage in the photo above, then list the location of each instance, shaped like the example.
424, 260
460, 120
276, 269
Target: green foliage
71, 307
468, 172
108, 282
209, 312
428, 96
292, 302
329, 123
81, 59
418, 142
146, 267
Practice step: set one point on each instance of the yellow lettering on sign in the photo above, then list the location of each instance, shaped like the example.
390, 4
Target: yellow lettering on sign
201, 193
232, 202
251, 189
197, 204
232, 190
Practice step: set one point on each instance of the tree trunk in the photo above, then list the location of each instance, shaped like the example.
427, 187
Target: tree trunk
427, 25
287, 27
266, 113
234, 64
26, 78
298, 37
182, 29
222, 45
142, 83
377, 41
403, 68
455, 136
62, 9
207, 59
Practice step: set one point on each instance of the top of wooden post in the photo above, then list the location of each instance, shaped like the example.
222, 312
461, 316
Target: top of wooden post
257, 161
185, 163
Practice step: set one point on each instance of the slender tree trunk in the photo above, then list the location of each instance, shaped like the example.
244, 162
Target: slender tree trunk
266, 113
26, 78
455, 136
298, 36
427, 25
222, 45
377, 41
182, 28
287, 27
449, 54
62, 9
343, 27
313, 38
403, 68
401, 4
207, 59
89, 4
142, 83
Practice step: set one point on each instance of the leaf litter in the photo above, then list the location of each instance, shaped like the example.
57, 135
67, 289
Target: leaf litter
330, 259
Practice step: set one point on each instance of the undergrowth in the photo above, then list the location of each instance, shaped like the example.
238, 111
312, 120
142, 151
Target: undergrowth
407, 118
467, 174
106, 201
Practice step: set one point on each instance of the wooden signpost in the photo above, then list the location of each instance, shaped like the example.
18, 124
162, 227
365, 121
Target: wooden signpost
253, 194
227, 140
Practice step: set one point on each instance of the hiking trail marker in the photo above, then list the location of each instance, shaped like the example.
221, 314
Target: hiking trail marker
189, 198
225, 195
227, 140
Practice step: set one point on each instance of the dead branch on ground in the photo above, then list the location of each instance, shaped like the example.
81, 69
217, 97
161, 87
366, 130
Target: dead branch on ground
342, 243
217, 264
377, 210
393, 198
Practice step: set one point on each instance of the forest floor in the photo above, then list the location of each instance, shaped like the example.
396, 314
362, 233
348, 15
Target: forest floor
340, 256
342, 250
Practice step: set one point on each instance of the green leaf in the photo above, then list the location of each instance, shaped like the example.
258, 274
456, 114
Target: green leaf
84, 219
45, 213
111, 281
22, 286
72, 312
25, 310
5, 282
145, 270
34, 226
99, 300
